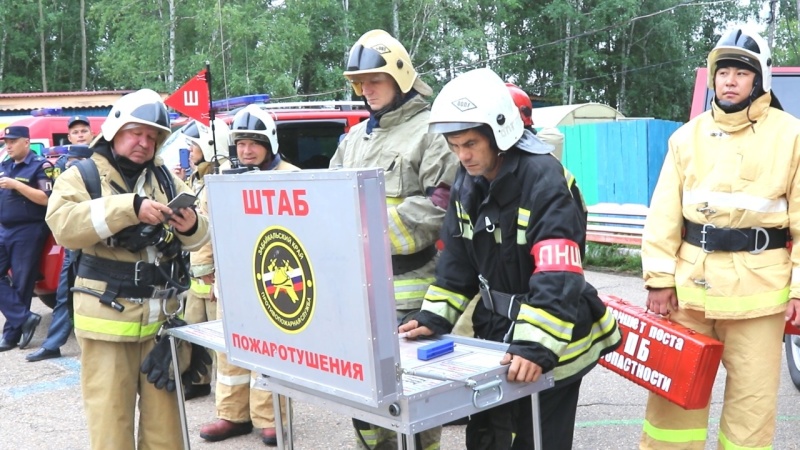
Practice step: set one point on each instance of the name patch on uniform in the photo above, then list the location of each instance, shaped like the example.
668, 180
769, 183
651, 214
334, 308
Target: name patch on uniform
557, 255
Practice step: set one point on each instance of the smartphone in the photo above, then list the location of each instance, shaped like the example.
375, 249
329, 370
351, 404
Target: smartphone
184, 155
183, 200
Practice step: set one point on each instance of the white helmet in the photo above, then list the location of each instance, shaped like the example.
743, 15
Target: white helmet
200, 135
746, 47
478, 97
255, 123
144, 106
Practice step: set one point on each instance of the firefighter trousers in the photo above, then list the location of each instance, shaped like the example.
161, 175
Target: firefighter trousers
236, 400
199, 309
110, 384
510, 426
752, 358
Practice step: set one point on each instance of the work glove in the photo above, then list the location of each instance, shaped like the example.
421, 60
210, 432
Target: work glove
198, 365
158, 363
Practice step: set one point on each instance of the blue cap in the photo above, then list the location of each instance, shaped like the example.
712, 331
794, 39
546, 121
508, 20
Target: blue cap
16, 132
75, 119
79, 151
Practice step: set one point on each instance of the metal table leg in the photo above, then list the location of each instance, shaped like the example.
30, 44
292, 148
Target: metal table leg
285, 438
537, 422
173, 345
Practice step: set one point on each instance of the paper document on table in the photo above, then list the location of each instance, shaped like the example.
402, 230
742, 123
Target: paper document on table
464, 362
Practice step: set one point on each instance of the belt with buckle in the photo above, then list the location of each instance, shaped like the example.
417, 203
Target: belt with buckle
754, 240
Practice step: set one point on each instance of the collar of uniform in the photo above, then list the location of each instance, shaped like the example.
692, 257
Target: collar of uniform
406, 111
739, 120
503, 189
30, 157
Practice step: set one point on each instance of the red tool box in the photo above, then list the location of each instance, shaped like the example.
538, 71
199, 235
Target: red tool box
668, 359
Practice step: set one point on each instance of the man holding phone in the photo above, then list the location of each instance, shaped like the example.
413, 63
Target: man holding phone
124, 290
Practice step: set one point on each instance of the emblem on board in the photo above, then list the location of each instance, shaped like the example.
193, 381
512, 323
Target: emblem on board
284, 279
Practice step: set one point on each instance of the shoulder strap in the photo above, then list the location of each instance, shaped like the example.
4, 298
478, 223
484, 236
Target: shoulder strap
90, 175
164, 179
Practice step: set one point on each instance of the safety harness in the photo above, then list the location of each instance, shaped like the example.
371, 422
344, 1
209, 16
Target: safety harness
134, 281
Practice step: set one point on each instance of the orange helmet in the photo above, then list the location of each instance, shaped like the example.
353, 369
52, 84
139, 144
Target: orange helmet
523, 102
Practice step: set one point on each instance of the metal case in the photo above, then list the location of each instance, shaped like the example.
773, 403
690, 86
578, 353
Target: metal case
305, 279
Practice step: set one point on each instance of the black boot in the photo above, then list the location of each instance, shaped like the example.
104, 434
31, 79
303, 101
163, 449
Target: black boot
196, 390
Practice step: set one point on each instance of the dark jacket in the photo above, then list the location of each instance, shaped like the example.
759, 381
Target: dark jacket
524, 233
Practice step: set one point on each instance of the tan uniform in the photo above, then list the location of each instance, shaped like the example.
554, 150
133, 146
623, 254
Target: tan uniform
236, 400
415, 162
114, 344
736, 170
201, 306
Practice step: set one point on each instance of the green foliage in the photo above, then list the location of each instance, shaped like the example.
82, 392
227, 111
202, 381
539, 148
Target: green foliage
637, 56
616, 258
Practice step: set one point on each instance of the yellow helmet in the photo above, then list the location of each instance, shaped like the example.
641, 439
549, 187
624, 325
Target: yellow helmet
377, 51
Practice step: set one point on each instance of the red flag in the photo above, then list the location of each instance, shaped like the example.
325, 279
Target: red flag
192, 99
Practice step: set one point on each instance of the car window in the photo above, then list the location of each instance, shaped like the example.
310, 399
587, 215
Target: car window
310, 144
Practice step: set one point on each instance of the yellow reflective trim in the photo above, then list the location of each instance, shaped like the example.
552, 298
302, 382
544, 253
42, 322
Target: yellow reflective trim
728, 445
521, 238
570, 178
697, 296
524, 331
600, 328
674, 436
444, 303
394, 201
411, 288
115, 327
540, 318
200, 288
576, 365
523, 218
400, 237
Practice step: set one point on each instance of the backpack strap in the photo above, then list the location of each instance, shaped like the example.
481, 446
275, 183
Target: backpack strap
164, 179
91, 176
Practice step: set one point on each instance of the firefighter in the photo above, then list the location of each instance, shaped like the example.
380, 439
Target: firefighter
26, 180
512, 234
714, 254
201, 305
125, 284
240, 407
419, 170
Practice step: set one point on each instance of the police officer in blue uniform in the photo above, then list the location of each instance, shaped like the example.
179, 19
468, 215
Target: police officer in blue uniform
25, 185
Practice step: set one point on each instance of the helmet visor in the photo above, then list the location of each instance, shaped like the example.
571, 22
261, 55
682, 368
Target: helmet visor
363, 58
741, 40
154, 113
191, 130
247, 121
451, 127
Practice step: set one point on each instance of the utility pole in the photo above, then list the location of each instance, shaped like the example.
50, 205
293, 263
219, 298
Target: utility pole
771, 20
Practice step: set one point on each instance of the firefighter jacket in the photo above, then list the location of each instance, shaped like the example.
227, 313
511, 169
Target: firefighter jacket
520, 233
418, 168
81, 223
736, 170
202, 260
